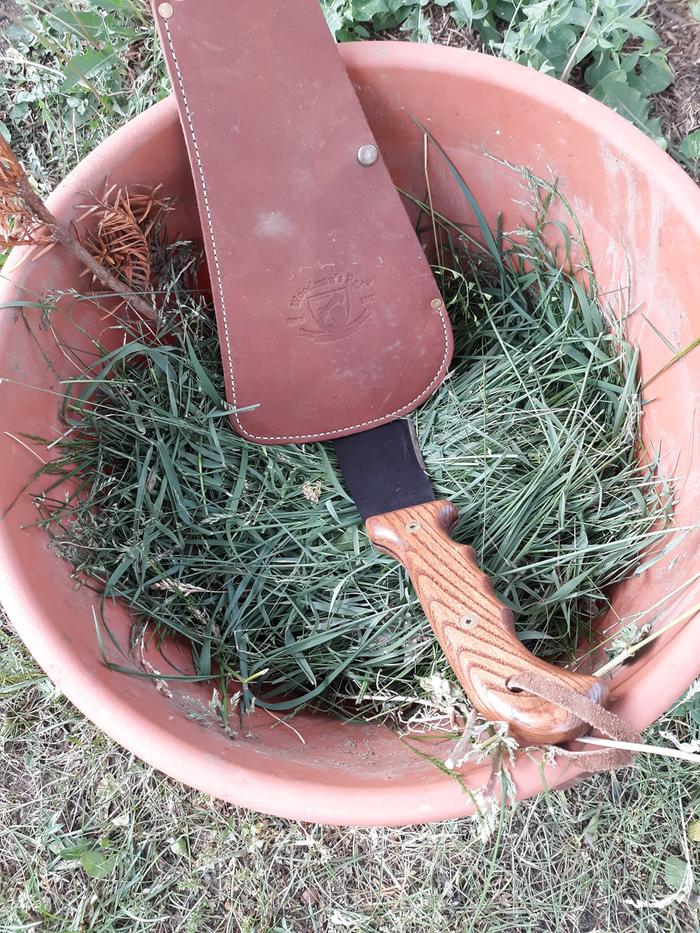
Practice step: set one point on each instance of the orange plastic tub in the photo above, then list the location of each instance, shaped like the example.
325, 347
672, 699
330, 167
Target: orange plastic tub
641, 216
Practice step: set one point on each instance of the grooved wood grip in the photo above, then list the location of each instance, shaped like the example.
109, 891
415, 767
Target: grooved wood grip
474, 628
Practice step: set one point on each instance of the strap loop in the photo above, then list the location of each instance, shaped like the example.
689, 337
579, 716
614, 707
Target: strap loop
554, 691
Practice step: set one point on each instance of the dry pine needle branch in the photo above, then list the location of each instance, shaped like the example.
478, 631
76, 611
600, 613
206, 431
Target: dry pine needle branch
128, 220
26, 221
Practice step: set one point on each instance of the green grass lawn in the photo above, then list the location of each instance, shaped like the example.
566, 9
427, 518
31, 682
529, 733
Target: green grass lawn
91, 839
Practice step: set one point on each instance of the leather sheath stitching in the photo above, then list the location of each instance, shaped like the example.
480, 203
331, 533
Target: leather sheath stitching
405, 409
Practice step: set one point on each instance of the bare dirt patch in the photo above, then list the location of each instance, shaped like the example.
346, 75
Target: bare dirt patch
679, 105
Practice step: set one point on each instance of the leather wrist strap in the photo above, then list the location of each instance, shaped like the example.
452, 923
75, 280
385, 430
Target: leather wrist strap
595, 715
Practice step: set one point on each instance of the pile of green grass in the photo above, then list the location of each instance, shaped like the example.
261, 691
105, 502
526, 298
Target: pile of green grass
258, 557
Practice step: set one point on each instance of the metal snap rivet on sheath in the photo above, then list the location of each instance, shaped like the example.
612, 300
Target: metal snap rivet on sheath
165, 10
367, 154
436, 304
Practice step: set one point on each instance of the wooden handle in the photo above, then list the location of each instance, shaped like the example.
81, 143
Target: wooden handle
474, 629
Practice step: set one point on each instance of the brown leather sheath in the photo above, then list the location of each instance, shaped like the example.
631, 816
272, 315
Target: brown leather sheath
329, 317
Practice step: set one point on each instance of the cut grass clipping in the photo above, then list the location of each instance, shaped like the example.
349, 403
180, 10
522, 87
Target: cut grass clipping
258, 557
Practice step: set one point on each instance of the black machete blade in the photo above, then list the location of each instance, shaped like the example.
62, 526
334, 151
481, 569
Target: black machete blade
383, 468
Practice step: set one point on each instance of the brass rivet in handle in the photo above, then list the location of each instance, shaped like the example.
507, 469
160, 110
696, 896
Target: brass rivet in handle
412, 527
466, 621
436, 304
165, 10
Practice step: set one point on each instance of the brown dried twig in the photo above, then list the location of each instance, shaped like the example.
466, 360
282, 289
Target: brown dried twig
26, 221
19, 224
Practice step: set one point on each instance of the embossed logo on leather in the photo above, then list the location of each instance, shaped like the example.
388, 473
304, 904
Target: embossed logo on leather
331, 307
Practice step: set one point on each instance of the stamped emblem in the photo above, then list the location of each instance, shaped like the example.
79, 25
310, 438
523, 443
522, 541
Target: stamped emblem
331, 307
